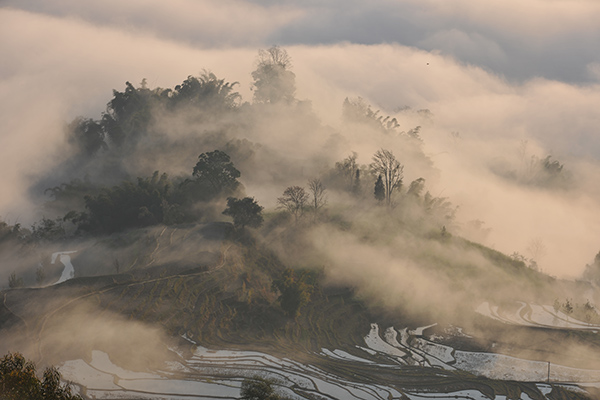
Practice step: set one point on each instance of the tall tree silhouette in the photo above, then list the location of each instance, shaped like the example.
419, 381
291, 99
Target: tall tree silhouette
385, 164
216, 168
273, 80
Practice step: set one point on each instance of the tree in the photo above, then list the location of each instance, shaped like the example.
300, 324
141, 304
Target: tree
385, 164
216, 168
589, 311
69, 196
556, 305
87, 136
273, 81
592, 271
356, 184
552, 173
317, 190
295, 289
129, 114
48, 230
444, 233
129, 205
14, 282
568, 308
439, 208
347, 169
358, 111
416, 188
379, 189
245, 212
537, 250
40, 275
258, 388
294, 201
206, 92
9, 233
18, 381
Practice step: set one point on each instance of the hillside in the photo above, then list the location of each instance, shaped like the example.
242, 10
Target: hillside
221, 297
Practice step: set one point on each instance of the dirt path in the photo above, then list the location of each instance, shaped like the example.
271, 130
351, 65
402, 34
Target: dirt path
13, 313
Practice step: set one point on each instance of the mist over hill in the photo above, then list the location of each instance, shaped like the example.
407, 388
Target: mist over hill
488, 134
298, 199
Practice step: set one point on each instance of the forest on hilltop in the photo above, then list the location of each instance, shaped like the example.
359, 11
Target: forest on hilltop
199, 153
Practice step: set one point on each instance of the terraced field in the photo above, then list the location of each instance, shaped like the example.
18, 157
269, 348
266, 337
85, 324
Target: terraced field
332, 374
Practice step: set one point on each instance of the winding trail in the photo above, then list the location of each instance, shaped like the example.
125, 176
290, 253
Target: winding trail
65, 259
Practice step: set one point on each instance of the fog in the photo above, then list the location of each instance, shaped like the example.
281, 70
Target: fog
492, 78
495, 87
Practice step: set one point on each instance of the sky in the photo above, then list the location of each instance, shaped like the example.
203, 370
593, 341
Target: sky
494, 74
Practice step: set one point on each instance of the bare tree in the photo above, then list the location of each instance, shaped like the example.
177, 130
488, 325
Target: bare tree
317, 190
294, 201
347, 169
274, 55
537, 249
385, 164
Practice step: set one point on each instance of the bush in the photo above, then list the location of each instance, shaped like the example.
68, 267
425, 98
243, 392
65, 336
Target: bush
258, 389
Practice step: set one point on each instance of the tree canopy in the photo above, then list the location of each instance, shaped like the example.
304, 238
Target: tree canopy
216, 168
379, 191
294, 201
358, 111
206, 92
129, 205
245, 212
18, 381
296, 288
129, 114
87, 136
273, 80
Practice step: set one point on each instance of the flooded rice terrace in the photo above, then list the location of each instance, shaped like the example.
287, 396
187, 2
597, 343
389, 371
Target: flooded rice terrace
385, 368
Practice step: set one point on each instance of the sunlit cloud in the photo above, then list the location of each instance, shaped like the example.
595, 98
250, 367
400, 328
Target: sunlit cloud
204, 23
